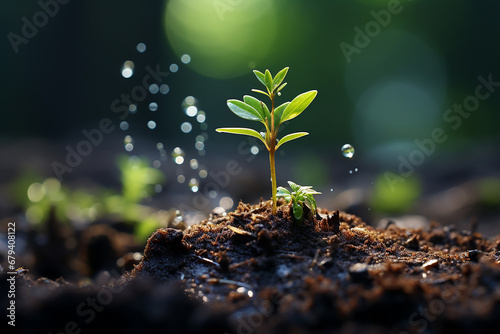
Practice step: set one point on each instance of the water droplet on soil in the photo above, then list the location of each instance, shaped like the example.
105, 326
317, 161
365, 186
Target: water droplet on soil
348, 151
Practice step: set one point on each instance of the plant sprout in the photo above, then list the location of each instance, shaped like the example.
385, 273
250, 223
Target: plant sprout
255, 110
299, 196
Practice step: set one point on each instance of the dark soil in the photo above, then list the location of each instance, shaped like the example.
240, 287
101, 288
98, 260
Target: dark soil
253, 272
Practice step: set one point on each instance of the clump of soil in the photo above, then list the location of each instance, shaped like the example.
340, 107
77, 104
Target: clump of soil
250, 271
332, 272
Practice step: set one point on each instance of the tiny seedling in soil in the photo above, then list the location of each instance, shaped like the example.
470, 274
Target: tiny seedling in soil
298, 197
255, 110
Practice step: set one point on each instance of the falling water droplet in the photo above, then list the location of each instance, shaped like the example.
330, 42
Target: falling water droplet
185, 58
151, 125
194, 184
154, 89
331, 189
164, 89
348, 150
356, 169
181, 178
193, 163
350, 172
254, 150
153, 106
186, 127
128, 69
203, 172
174, 68
199, 145
279, 93
141, 47
157, 164
178, 155
128, 142
159, 146
201, 117
124, 125
132, 108
158, 188
191, 111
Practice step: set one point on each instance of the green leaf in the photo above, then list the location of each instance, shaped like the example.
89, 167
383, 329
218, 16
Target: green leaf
258, 105
244, 110
311, 203
242, 131
278, 112
295, 187
298, 105
260, 76
291, 136
268, 79
281, 87
259, 91
298, 212
282, 192
279, 77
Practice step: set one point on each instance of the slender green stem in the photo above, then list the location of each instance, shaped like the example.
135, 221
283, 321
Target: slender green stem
273, 178
272, 149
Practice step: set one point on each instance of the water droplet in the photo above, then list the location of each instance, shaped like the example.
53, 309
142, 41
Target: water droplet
203, 173
331, 189
156, 164
173, 68
350, 172
279, 93
159, 146
154, 89
200, 138
202, 152
201, 117
191, 111
151, 125
178, 218
181, 178
124, 125
164, 89
193, 163
226, 203
355, 169
186, 127
141, 47
348, 150
128, 142
158, 188
194, 185
132, 108
178, 155
212, 194
254, 150
128, 69
153, 106
185, 58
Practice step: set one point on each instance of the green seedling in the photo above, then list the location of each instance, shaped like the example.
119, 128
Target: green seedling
255, 110
299, 196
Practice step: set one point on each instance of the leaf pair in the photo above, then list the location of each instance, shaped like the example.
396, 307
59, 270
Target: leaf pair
299, 196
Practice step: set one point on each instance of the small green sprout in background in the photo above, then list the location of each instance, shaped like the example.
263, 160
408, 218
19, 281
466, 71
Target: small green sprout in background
299, 196
255, 110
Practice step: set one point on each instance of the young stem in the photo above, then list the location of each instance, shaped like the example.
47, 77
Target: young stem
272, 149
273, 178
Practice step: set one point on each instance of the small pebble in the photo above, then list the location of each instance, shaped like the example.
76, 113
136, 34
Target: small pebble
430, 264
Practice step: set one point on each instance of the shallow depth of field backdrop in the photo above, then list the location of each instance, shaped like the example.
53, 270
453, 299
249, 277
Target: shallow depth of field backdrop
413, 86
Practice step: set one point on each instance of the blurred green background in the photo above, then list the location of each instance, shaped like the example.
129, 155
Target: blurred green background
386, 72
